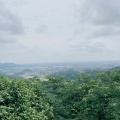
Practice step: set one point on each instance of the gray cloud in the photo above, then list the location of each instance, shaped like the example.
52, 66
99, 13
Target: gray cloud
10, 25
98, 18
64, 30
9, 22
105, 31
7, 39
89, 47
41, 28
101, 12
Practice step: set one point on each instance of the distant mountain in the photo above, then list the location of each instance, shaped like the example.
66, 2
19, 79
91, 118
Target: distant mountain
69, 74
7, 65
116, 68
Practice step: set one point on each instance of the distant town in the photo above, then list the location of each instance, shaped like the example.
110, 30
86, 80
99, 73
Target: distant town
41, 70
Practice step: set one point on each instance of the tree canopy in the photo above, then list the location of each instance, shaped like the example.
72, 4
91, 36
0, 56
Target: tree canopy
87, 98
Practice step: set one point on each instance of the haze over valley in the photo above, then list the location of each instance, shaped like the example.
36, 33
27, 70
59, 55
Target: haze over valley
42, 70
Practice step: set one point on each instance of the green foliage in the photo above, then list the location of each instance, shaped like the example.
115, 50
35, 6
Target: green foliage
24, 100
88, 98
69, 74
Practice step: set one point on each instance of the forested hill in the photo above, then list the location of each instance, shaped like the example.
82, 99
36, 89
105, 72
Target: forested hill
69, 74
88, 98
116, 68
7, 65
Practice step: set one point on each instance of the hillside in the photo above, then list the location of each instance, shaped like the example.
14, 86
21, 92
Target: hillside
86, 98
7, 65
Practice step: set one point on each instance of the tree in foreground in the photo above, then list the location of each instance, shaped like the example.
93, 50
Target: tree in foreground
88, 98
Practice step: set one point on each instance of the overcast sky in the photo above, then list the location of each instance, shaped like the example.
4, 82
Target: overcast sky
35, 31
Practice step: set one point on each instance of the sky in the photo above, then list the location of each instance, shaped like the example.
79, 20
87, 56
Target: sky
36, 31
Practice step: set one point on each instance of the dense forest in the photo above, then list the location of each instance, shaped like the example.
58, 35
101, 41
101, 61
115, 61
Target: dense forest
89, 97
